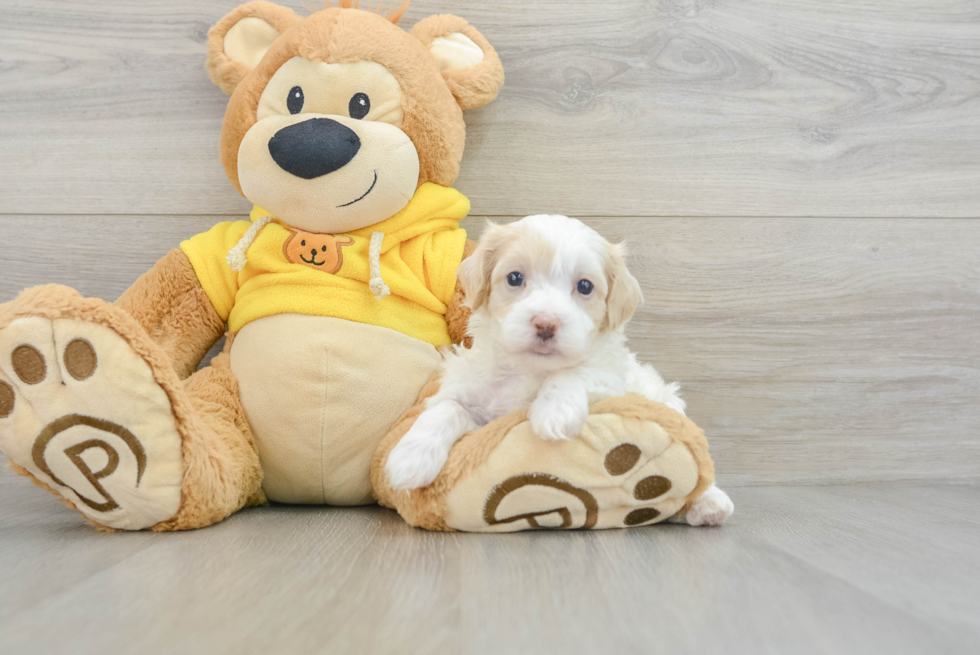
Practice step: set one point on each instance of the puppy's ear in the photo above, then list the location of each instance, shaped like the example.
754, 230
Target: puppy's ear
475, 271
468, 62
624, 294
237, 43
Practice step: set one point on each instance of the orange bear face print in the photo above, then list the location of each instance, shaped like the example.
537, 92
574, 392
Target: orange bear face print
320, 251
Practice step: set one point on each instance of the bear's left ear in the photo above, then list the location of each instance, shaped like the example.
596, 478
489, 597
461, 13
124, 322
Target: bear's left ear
468, 62
237, 43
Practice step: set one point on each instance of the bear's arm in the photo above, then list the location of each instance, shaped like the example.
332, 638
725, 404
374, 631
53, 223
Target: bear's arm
171, 305
457, 314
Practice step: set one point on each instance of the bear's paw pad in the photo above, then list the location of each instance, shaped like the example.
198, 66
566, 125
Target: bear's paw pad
82, 413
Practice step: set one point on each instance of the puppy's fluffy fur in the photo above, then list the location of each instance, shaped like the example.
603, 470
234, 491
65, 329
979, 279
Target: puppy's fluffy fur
549, 297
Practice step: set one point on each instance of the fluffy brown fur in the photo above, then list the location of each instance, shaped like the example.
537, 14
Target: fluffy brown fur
393, 14
169, 303
221, 461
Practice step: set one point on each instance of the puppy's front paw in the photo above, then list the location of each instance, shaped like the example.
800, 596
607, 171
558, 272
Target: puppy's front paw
415, 462
556, 419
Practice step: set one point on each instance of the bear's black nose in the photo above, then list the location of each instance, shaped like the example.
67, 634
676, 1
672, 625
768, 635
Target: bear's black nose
314, 147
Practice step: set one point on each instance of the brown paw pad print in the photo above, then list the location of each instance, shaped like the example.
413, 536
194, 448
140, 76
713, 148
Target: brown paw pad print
7, 399
621, 460
29, 365
80, 359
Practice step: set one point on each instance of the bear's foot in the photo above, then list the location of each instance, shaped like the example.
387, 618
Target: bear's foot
83, 413
634, 463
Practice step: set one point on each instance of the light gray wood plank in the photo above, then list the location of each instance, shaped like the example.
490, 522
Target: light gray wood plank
810, 350
889, 541
100, 256
735, 107
292, 579
724, 591
46, 549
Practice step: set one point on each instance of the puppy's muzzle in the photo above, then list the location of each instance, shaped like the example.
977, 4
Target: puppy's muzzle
313, 148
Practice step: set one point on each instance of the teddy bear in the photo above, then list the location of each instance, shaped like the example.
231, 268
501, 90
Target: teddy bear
346, 133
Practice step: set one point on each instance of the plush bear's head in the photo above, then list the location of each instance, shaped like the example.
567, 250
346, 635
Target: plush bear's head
337, 118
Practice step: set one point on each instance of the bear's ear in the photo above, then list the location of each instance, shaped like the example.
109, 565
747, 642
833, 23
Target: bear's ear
237, 43
468, 62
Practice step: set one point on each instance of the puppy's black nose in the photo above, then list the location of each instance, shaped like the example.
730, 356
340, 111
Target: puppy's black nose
314, 147
546, 328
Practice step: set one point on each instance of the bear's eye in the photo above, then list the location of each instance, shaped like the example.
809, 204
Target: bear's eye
294, 101
584, 287
515, 279
324, 249
303, 242
359, 106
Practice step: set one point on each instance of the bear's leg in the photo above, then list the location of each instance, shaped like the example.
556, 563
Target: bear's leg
221, 461
634, 463
92, 409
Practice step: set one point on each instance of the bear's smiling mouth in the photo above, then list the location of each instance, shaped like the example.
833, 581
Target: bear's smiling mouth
370, 189
312, 260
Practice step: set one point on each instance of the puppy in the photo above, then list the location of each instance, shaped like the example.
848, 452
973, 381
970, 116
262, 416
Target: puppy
549, 298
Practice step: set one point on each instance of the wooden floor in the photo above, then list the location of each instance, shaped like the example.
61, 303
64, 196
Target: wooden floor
799, 183
876, 568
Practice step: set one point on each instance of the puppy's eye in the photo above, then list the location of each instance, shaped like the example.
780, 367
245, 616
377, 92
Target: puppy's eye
515, 279
324, 249
294, 101
359, 106
303, 242
584, 287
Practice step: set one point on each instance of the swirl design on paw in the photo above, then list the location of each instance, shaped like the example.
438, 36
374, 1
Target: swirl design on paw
619, 461
39, 452
513, 484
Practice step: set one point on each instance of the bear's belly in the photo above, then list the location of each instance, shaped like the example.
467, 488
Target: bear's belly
319, 394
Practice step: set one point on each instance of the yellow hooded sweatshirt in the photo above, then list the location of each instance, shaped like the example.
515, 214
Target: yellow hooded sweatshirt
288, 271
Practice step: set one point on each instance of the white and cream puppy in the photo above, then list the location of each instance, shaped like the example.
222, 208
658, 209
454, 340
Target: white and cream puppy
549, 298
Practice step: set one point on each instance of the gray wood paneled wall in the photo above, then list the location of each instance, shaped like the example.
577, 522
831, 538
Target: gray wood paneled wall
799, 182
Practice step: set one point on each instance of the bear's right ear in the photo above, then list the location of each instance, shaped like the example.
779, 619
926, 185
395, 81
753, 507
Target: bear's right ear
237, 43
467, 61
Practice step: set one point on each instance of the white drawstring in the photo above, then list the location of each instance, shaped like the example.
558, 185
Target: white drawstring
237, 256
377, 285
